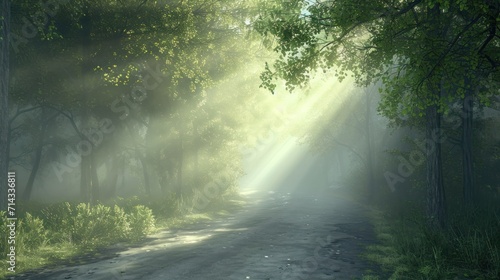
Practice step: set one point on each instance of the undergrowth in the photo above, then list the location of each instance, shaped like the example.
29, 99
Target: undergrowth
469, 248
46, 234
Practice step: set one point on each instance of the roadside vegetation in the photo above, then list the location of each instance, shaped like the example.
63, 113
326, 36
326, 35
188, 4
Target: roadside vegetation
428, 159
66, 232
136, 99
468, 249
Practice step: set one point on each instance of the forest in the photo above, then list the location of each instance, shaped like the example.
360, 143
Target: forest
136, 134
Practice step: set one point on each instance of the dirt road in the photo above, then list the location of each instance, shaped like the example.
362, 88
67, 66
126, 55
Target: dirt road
276, 235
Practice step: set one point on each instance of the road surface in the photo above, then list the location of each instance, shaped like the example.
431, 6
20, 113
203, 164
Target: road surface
276, 235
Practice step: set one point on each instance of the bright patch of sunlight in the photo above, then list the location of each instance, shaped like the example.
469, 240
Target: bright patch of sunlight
164, 242
277, 157
168, 239
189, 239
230, 229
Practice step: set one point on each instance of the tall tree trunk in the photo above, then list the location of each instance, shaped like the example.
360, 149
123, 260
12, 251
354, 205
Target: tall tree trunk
34, 170
436, 206
162, 180
180, 188
94, 180
142, 159
468, 171
4, 102
36, 160
89, 181
85, 179
196, 148
112, 167
147, 185
87, 189
163, 168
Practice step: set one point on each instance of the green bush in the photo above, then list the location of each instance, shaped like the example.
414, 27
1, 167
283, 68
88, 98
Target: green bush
58, 219
165, 206
47, 233
120, 223
84, 225
31, 232
141, 222
98, 225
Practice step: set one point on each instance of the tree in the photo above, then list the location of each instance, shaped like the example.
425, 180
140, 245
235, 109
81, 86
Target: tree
4, 101
40, 137
411, 46
92, 59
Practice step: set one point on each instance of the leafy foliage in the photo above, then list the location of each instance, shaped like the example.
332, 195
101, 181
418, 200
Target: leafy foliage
142, 222
408, 45
93, 58
92, 226
58, 218
31, 232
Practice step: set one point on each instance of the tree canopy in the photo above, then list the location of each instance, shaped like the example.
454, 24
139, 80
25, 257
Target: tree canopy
382, 40
428, 54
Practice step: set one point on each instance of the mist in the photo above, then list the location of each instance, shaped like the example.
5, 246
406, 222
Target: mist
249, 140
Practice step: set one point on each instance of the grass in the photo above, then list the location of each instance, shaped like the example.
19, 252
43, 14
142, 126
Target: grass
468, 249
46, 255
47, 235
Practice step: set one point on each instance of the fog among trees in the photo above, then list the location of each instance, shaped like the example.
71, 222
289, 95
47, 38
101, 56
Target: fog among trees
252, 131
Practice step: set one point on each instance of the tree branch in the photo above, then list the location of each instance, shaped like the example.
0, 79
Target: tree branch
20, 112
402, 11
450, 47
69, 116
350, 149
